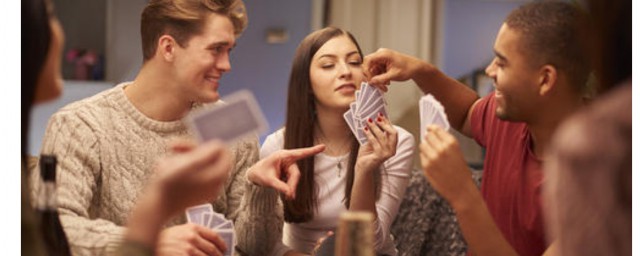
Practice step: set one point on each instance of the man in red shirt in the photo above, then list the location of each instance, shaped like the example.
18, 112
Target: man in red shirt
539, 73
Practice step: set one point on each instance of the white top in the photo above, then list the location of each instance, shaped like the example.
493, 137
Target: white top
395, 178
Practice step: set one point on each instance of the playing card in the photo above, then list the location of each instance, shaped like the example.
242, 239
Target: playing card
195, 213
228, 236
235, 118
206, 218
227, 224
368, 104
431, 112
216, 220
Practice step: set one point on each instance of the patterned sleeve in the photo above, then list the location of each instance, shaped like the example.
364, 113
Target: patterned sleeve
75, 145
260, 218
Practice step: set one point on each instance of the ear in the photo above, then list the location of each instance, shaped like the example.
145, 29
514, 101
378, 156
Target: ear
548, 79
166, 47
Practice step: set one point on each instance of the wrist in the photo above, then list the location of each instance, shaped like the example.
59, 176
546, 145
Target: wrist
466, 198
147, 219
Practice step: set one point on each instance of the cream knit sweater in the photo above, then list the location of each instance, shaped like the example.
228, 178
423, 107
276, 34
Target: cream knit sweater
106, 149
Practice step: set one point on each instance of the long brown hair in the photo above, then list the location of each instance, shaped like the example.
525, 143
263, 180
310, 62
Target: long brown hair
36, 37
299, 127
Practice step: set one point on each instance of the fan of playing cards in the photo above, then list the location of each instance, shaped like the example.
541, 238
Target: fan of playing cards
369, 102
205, 216
431, 112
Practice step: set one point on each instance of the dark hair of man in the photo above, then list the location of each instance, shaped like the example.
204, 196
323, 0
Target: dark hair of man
35, 36
182, 19
551, 33
301, 122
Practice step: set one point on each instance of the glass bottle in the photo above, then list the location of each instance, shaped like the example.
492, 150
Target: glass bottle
54, 237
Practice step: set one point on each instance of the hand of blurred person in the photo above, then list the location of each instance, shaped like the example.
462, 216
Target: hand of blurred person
385, 65
190, 239
190, 176
444, 166
280, 171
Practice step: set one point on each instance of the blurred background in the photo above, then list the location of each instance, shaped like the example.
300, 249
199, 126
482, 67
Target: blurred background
103, 48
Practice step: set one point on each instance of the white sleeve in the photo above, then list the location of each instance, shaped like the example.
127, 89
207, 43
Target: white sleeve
272, 143
395, 176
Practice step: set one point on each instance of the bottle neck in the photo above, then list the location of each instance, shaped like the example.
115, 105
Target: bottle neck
47, 197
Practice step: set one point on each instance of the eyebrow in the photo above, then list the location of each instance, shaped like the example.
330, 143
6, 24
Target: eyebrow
216, 44
334, 56
500, 56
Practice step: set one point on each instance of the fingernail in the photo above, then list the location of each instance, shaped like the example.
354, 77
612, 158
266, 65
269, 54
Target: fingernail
379, 113
369, 120
366, 128
379, 119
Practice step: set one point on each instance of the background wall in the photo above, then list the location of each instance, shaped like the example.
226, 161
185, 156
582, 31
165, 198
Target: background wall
262, 67
83, 29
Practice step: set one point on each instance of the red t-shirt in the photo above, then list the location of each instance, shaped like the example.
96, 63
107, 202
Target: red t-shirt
512, 178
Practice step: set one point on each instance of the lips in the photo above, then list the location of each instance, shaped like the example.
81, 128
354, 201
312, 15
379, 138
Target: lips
346, 87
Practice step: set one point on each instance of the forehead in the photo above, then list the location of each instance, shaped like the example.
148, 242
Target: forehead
216, 29
340, 45
508, 42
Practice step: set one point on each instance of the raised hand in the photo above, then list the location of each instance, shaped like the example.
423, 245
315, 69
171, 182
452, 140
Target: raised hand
192, 175
280, 171
384, 66
444, 166
381, 145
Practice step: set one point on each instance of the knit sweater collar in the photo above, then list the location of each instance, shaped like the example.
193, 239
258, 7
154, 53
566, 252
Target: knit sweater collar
120, 98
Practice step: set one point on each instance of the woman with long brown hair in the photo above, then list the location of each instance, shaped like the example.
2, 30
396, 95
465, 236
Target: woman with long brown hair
371, 177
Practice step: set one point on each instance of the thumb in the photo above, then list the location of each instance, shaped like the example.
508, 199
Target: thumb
280, 186
292, 180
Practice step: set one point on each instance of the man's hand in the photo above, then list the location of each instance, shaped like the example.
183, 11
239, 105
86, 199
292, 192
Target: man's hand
444, 165
280, 171
384, 66
190, 239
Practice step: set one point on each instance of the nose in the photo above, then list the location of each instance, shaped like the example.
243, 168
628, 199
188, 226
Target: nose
491, 69
345, 70
223, 64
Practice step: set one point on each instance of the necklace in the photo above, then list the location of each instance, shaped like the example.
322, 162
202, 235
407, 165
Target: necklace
332, 150
339, 164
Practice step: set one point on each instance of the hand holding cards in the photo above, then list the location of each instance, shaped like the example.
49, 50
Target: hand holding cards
205, 216
234, 118
369, 102
431, 112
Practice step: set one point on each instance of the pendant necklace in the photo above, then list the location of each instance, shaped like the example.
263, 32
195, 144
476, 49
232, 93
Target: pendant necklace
332, 151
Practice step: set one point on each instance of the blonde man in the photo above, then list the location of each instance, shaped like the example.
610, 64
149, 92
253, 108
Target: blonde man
107, 144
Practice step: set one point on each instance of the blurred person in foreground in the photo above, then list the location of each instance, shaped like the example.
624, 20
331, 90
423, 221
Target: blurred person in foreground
588, 175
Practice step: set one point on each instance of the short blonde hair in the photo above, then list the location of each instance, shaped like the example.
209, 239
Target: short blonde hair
183, 19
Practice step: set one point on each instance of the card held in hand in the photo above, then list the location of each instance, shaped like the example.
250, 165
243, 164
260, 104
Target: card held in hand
237, 116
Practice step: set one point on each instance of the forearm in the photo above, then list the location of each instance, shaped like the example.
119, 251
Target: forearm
456, 97
147, 220
478, 227
363, 192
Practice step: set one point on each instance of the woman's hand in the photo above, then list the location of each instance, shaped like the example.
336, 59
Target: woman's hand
381, 145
